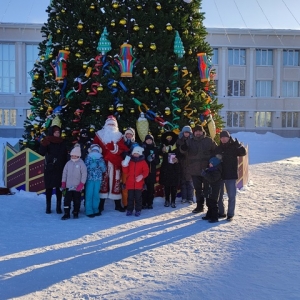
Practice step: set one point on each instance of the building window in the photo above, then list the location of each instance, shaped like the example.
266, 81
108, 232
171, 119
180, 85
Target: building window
8, 117
235, 119
290, 88
290, 119
215, 57
236, 88
263, 119
237, 57
7, 68
291, 58
264, 57
263, 88
32, 53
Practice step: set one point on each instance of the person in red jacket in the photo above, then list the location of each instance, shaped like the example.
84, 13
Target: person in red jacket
136, 170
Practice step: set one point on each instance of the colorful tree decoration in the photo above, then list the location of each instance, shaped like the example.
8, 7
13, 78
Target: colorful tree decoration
204, 67
60, 64
126, 61
104, 45
142, 126
178, 46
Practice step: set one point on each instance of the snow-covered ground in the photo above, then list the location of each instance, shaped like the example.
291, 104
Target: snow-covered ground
165, 253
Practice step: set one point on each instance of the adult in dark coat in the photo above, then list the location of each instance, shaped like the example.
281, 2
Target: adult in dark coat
54, 148
152, 159
170, 169
230, 149
199, 150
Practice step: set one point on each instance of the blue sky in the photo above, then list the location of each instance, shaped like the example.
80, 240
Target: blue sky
283, 14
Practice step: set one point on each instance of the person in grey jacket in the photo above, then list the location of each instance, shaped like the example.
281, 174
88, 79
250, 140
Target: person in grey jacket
199, 150
73, 180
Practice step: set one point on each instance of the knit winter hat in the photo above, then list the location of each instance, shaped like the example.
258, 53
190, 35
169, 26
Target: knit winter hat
224, 133
198, 128
95, 147
187, 129
215, 161
138, 150
76, 150
149, 137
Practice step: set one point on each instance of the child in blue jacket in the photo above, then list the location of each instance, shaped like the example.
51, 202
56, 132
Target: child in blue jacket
95, 168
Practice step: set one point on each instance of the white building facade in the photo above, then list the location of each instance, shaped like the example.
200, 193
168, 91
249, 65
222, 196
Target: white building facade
257, 75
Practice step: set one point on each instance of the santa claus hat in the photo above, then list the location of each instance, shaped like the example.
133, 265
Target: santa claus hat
111, 120
95, 147
76, 150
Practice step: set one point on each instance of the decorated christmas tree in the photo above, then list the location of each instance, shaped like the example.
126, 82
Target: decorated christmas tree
145, 62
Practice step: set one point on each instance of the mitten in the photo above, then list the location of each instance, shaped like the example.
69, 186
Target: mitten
126, 161
184, 146
139, 178
63, 185
150, 157
80, 187
45, 142
110, 146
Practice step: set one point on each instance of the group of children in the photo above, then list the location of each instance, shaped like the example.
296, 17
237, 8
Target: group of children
139, 177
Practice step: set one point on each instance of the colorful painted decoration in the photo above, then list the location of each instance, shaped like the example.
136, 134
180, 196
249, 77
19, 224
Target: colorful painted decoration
60, 64
126, 61
178, 46
104, 44
142, 126
204, 67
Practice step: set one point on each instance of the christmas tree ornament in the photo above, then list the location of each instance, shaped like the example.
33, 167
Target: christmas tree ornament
167, 111
169, 27
98, 32
67, 48
168, 90
142, 126
104, 45
120, 108
132, 92
204, 67
114, 84
126, 60
140, 45
115, 4
175, 67
60, 64
56, 122
153, 46
111, 108
192, 124
178, 46
36, 76
113, 23
100, 88
156, 69
80, 25
145, 71
151, 26
58, 31
92, 128
157, 91
123, 21
57, 92
84, 65
78, 55
139, 7
97, 110
63, 10
92, 6
188, 1
147, 90
158, 6
132, 111
80, 42
211, 127
63, 134
136, 27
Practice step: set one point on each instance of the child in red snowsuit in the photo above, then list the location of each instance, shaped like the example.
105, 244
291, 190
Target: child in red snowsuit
136, 170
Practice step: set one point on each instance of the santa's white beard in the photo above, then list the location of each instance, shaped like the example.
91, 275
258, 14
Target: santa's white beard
109, 134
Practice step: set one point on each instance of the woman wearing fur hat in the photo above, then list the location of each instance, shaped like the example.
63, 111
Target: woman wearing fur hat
54, 148
136, 170
152, 159
95, 168
73, 180
170, 170
186, 183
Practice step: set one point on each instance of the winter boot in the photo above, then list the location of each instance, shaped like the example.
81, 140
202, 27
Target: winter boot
58, 206
66, 216
173, 204
199, 208
48, 206
101, 205
167, 203
118, 206
75, 215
